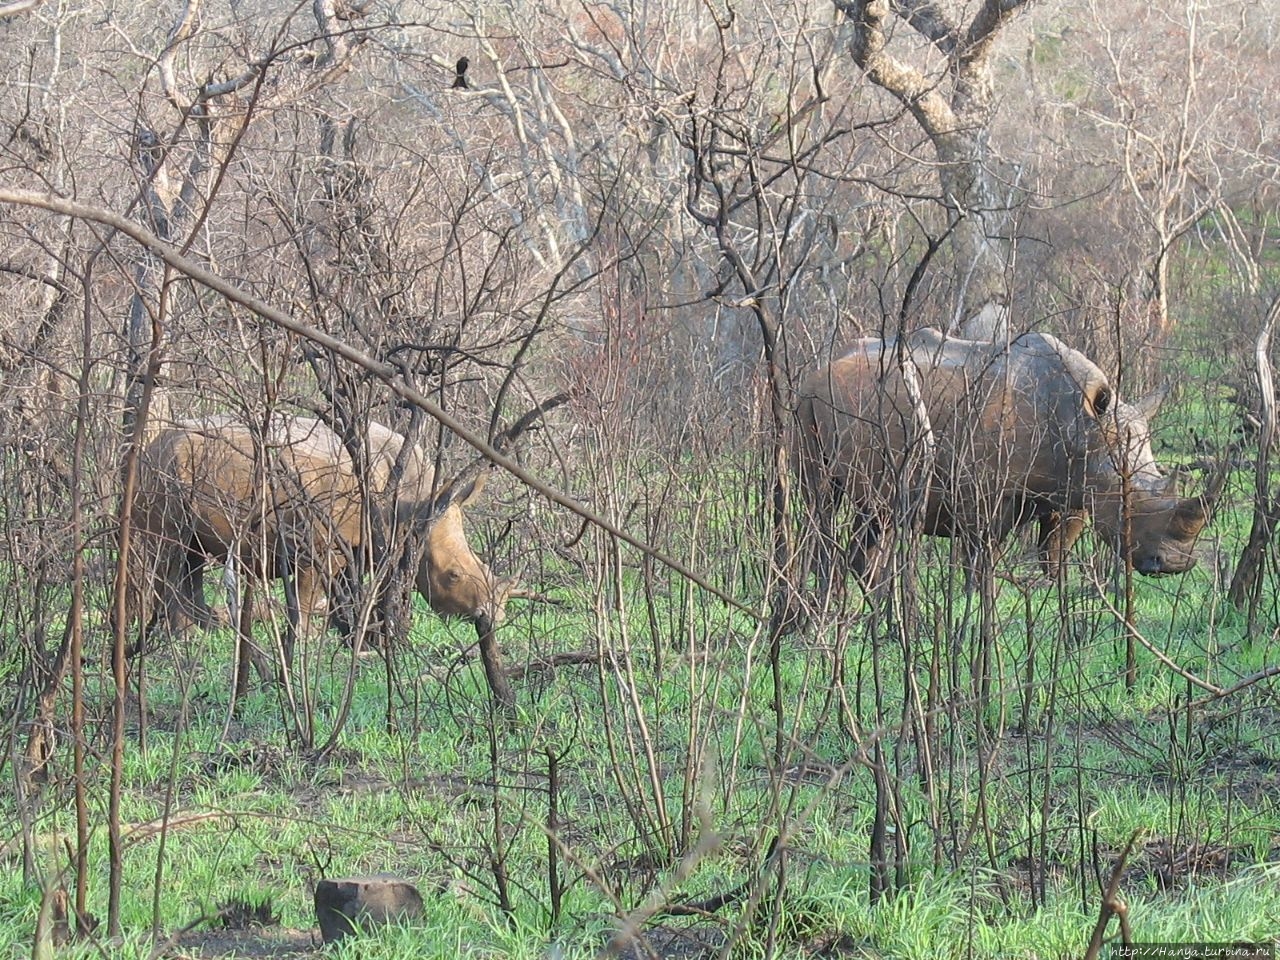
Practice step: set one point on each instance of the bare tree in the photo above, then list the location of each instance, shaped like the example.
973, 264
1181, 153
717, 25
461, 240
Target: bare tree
1171, 160
669, 212
953, 99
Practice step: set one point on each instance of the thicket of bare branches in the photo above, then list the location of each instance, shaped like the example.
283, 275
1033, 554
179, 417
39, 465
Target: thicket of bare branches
671, 212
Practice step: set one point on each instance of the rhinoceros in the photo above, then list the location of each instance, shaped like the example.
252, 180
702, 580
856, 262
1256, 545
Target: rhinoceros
288, 500
971, 439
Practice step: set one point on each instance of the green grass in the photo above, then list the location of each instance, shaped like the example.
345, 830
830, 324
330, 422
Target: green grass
1068, 768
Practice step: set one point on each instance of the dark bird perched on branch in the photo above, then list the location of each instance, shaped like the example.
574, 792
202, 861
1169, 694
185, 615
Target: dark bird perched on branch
460, 71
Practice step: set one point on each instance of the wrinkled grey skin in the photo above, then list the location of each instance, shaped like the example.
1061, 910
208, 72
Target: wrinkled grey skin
969, 439
1058, 532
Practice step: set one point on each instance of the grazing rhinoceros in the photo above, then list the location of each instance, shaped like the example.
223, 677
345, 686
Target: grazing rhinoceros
288, 500
971, 439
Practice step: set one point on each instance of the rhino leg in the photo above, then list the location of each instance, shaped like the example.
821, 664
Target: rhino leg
248, 652
159, 604
825, 497
177, 580
825, 551
313, 603
862, 554
979, 533
190, 587
1056, 535
979, 558
305, 605
858, 554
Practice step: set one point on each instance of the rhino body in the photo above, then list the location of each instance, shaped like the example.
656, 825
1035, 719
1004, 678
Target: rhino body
970, 439
289, 501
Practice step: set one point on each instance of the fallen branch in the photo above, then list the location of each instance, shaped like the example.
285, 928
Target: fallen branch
145, 831
504, 440
533, 596
628, 932
1155, 651
386, 372
135, 833
543, 664
1248, 681
703, 908
1215, 692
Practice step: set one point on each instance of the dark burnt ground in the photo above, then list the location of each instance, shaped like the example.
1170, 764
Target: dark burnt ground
277, 942
1232, 772
666, 943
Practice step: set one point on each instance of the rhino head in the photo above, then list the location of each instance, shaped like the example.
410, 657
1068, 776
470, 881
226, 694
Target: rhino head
1131, 424
1144, 519
1129, 456
1153, 530
454, 581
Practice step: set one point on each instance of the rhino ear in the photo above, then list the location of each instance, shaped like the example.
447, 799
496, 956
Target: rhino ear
421, 514
463, 491
470, 491
1101, 401
1149, 405
1190, 517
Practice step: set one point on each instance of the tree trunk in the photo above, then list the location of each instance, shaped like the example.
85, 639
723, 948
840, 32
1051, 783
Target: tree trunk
1246, 582
957, 123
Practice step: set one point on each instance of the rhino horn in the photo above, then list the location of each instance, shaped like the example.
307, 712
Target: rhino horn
1147, 407
1215, 484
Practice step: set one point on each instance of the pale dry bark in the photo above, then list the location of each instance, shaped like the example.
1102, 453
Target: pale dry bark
955, 111
177, 184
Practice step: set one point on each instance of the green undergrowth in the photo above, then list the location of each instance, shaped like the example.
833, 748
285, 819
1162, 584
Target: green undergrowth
668, 786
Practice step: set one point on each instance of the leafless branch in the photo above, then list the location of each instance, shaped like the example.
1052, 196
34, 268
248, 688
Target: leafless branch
930, 22
1112, 904
1155, 651
986, 24
916, 92
19, 6
387, 373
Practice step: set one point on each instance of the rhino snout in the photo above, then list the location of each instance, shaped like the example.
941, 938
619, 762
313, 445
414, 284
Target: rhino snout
1163, 563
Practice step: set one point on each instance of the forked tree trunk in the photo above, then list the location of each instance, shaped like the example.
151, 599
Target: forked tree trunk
956, 113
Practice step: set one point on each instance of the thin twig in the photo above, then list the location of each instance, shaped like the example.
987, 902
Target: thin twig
1153, 649
385, 372
1112, 905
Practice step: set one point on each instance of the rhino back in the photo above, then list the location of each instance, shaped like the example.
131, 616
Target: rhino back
1000, 421
863, 412
220, 479
385, 445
